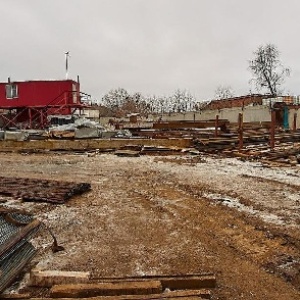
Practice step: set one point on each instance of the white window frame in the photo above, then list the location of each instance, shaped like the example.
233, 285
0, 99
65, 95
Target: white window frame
11, 91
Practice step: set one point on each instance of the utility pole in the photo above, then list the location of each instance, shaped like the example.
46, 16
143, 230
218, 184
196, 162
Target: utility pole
67, 55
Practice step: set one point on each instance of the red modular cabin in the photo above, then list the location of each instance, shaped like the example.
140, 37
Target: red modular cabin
28, 104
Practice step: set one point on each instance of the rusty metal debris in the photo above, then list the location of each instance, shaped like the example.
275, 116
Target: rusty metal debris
41, 190
286, 151
55, 247
231, 141
16, 230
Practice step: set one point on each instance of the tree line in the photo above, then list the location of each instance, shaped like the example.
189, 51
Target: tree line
268, 76
120, 103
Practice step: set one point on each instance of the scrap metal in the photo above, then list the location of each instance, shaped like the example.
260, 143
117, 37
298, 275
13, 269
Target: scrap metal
41, 190
232, 141
16, 229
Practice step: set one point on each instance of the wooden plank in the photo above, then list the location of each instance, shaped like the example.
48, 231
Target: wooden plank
190, 294
126, 298
188, 281
106, 289
127, 153
14, 296
192, 282
72, 145
49, 278
158, 297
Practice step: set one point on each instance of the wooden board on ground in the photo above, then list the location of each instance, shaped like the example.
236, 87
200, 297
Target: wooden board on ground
14, 296
50, 278
183, 282
106, 289
190, 294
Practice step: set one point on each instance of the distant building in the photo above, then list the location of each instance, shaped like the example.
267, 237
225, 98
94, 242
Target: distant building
255, 99
249, 100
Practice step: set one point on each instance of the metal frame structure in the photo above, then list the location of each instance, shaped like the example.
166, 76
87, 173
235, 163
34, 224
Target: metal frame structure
36, 117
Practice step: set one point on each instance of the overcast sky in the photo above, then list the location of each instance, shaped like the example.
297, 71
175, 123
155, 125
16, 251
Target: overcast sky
147, 46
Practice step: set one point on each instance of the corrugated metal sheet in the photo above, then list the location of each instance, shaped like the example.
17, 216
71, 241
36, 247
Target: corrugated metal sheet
14, 264
15, 249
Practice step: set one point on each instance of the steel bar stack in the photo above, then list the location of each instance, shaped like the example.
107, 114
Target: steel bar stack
41, 190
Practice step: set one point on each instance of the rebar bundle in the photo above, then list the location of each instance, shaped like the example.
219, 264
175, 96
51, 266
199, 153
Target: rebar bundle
41, 190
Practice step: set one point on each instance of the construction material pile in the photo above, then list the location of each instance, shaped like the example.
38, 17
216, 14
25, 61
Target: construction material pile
73, 285
231, 141
283, 154
78, 128
41, 190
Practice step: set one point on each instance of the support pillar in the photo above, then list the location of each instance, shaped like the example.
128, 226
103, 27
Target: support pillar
217, 126
295, 122
272, 132
30, 118
241, 131
42, 119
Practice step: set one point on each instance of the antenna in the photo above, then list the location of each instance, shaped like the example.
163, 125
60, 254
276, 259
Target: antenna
67, 55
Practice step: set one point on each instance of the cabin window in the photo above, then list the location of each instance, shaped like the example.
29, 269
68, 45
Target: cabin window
11, 91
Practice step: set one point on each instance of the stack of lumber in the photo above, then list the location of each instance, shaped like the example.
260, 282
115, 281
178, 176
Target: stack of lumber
74, 285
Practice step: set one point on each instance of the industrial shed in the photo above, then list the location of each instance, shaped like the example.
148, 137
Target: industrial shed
28, 104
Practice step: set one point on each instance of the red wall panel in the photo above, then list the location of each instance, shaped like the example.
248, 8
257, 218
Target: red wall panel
40, 93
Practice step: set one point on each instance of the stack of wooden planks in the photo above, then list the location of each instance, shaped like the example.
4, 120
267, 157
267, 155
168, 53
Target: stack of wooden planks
74, 285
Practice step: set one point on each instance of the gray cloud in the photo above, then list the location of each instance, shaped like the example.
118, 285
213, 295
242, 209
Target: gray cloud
152, 46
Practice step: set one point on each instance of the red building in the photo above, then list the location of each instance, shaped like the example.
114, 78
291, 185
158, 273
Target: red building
255, 99
28, 104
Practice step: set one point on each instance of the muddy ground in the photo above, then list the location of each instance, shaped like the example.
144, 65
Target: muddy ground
172, 215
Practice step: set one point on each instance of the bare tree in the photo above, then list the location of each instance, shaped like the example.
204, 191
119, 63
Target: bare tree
182, 101
115, 98
223, 92
267, 69
119, 103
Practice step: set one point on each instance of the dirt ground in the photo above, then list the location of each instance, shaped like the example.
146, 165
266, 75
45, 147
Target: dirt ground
172, 215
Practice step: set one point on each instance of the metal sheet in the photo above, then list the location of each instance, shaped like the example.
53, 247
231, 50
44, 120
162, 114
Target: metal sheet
15, 252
